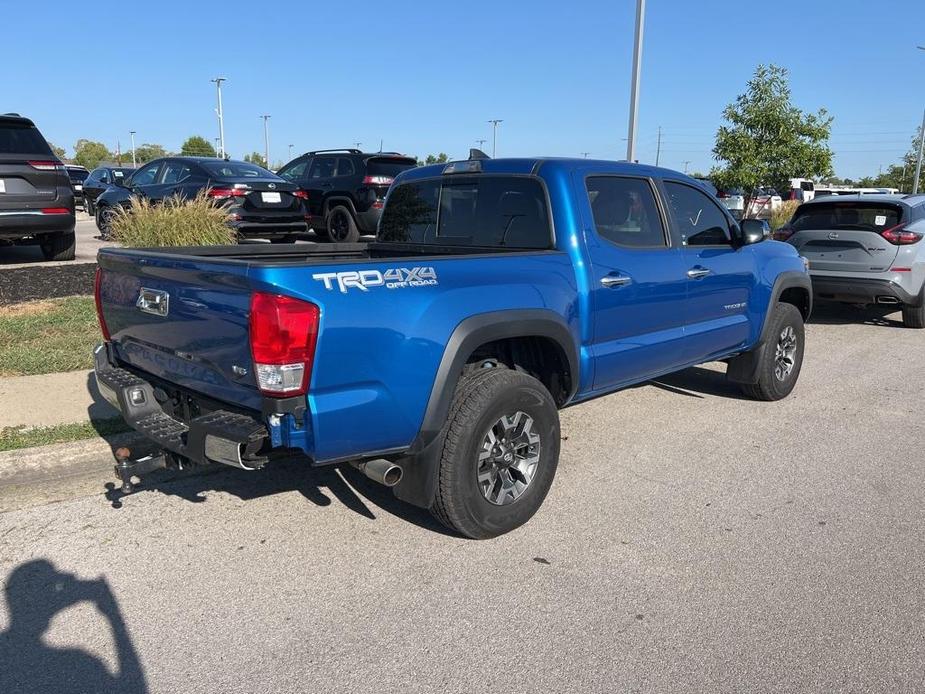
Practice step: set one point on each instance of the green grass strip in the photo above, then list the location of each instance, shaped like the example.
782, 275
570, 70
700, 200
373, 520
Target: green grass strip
48, 336
20, 437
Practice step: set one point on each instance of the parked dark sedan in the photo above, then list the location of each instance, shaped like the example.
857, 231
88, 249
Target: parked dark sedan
261, 203
99, 180
77, 174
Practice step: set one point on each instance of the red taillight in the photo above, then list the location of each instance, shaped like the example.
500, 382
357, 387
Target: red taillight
55, 210
900, 237
97, 285
378, 205
228, 192
783, 233
301, 194
46, 165
378, 181
283, 332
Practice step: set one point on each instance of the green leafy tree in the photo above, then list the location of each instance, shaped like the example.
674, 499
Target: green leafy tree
767, 140
256, 158
89, 153
197, 146
148, 152
901, 175
59, 151
434, 159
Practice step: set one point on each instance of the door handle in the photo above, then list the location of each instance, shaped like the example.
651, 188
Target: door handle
615, 280
695, 273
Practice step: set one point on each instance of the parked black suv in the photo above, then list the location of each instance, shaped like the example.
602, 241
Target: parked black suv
259, 202
78, 174
346, 188
99, 180
36, 199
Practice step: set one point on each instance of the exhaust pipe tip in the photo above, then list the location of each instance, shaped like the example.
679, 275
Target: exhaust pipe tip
380, 470
889, 300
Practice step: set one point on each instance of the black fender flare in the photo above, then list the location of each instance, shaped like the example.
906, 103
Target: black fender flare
744, 368
419, 479
337, 201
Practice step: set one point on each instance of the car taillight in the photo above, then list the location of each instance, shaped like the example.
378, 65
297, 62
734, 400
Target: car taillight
900, 237
47, 165
301, 194
377, 180
55, 210
227, 192
97, 286
783, 233
283, 332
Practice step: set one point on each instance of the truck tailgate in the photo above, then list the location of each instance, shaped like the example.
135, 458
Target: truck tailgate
182, 320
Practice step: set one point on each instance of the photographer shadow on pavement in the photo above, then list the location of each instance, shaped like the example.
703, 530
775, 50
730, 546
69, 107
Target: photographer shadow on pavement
35, 592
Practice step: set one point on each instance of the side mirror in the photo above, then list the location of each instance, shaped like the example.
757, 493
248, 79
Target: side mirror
754, 231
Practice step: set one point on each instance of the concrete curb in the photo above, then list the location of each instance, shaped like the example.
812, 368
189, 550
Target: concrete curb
52, 399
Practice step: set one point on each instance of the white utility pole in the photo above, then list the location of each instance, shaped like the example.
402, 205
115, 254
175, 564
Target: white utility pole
918, 161
221, 116
495, 122
132, 133
634, 90
290, 152
266, 139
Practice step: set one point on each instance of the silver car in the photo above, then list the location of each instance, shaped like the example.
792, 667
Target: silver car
864, 249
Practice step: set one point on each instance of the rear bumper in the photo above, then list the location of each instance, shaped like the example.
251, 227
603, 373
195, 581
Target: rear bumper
862, 291
18, 224
269, 228
219, 436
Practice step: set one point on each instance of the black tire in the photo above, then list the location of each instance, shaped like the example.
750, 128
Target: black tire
341, 226
88, 207
59, 246
104, 215
775, 382
482, 400
914, 316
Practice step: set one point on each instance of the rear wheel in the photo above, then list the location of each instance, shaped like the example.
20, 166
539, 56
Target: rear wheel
341, 226
88, 206
782, 357
500, 453
59, 246
914, 316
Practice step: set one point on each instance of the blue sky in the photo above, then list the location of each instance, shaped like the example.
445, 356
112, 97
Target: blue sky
425, 77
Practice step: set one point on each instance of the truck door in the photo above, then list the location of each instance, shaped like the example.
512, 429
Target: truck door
720, 276
638, 286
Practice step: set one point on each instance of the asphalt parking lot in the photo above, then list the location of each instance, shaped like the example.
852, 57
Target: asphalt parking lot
692, 541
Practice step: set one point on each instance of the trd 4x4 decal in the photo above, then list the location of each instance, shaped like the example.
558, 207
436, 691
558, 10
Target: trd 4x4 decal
393, 278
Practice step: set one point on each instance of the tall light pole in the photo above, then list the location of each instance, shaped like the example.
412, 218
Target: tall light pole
221, 116
685, 165
290, 152
132, 133
918, 161
481, 144
356, 145
634, 89
494, 135
216, 140
266, 140
585, 154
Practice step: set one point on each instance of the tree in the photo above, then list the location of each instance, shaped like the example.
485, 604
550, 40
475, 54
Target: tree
148, 152
256, 158
434, 159
89, 153
59, 151
767, 140
197, 146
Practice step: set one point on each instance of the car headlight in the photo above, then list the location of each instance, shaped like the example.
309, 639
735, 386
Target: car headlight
805, 263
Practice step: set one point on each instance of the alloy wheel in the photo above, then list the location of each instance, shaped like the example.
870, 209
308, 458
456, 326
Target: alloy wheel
508, 458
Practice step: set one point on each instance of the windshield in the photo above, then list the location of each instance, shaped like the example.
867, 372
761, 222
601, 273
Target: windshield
236, 169
78, 175
16, 139
847, 215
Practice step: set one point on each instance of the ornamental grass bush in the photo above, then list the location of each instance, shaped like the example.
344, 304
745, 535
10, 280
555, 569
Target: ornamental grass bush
173, 222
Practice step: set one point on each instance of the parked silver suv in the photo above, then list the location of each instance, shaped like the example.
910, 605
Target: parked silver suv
864, 249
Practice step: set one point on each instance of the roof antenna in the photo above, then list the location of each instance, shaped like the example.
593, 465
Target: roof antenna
477, 154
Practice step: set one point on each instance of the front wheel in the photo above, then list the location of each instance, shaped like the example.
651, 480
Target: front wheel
782, 357
104, 218
500, 453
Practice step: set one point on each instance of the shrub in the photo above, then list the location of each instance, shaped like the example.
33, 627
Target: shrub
173, 222
782, 214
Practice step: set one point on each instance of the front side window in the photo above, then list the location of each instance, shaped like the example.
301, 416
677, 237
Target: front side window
625, 212
294, 171
147, 175
700, 220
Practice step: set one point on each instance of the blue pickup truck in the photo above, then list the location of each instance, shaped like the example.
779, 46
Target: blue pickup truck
435, 358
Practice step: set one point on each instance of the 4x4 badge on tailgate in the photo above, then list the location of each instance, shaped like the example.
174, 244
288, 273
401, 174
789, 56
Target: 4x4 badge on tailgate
153, 301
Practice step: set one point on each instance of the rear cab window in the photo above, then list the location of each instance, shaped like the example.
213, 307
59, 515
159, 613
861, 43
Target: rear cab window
860, 216
478, 211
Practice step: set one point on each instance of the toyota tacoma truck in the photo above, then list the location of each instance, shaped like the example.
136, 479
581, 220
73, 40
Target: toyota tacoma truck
435, 358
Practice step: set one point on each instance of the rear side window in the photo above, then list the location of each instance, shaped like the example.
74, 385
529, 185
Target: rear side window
493, 211
345, 167
388, 167
322, 167
624, 211
16, 139
699, 219
862, 216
